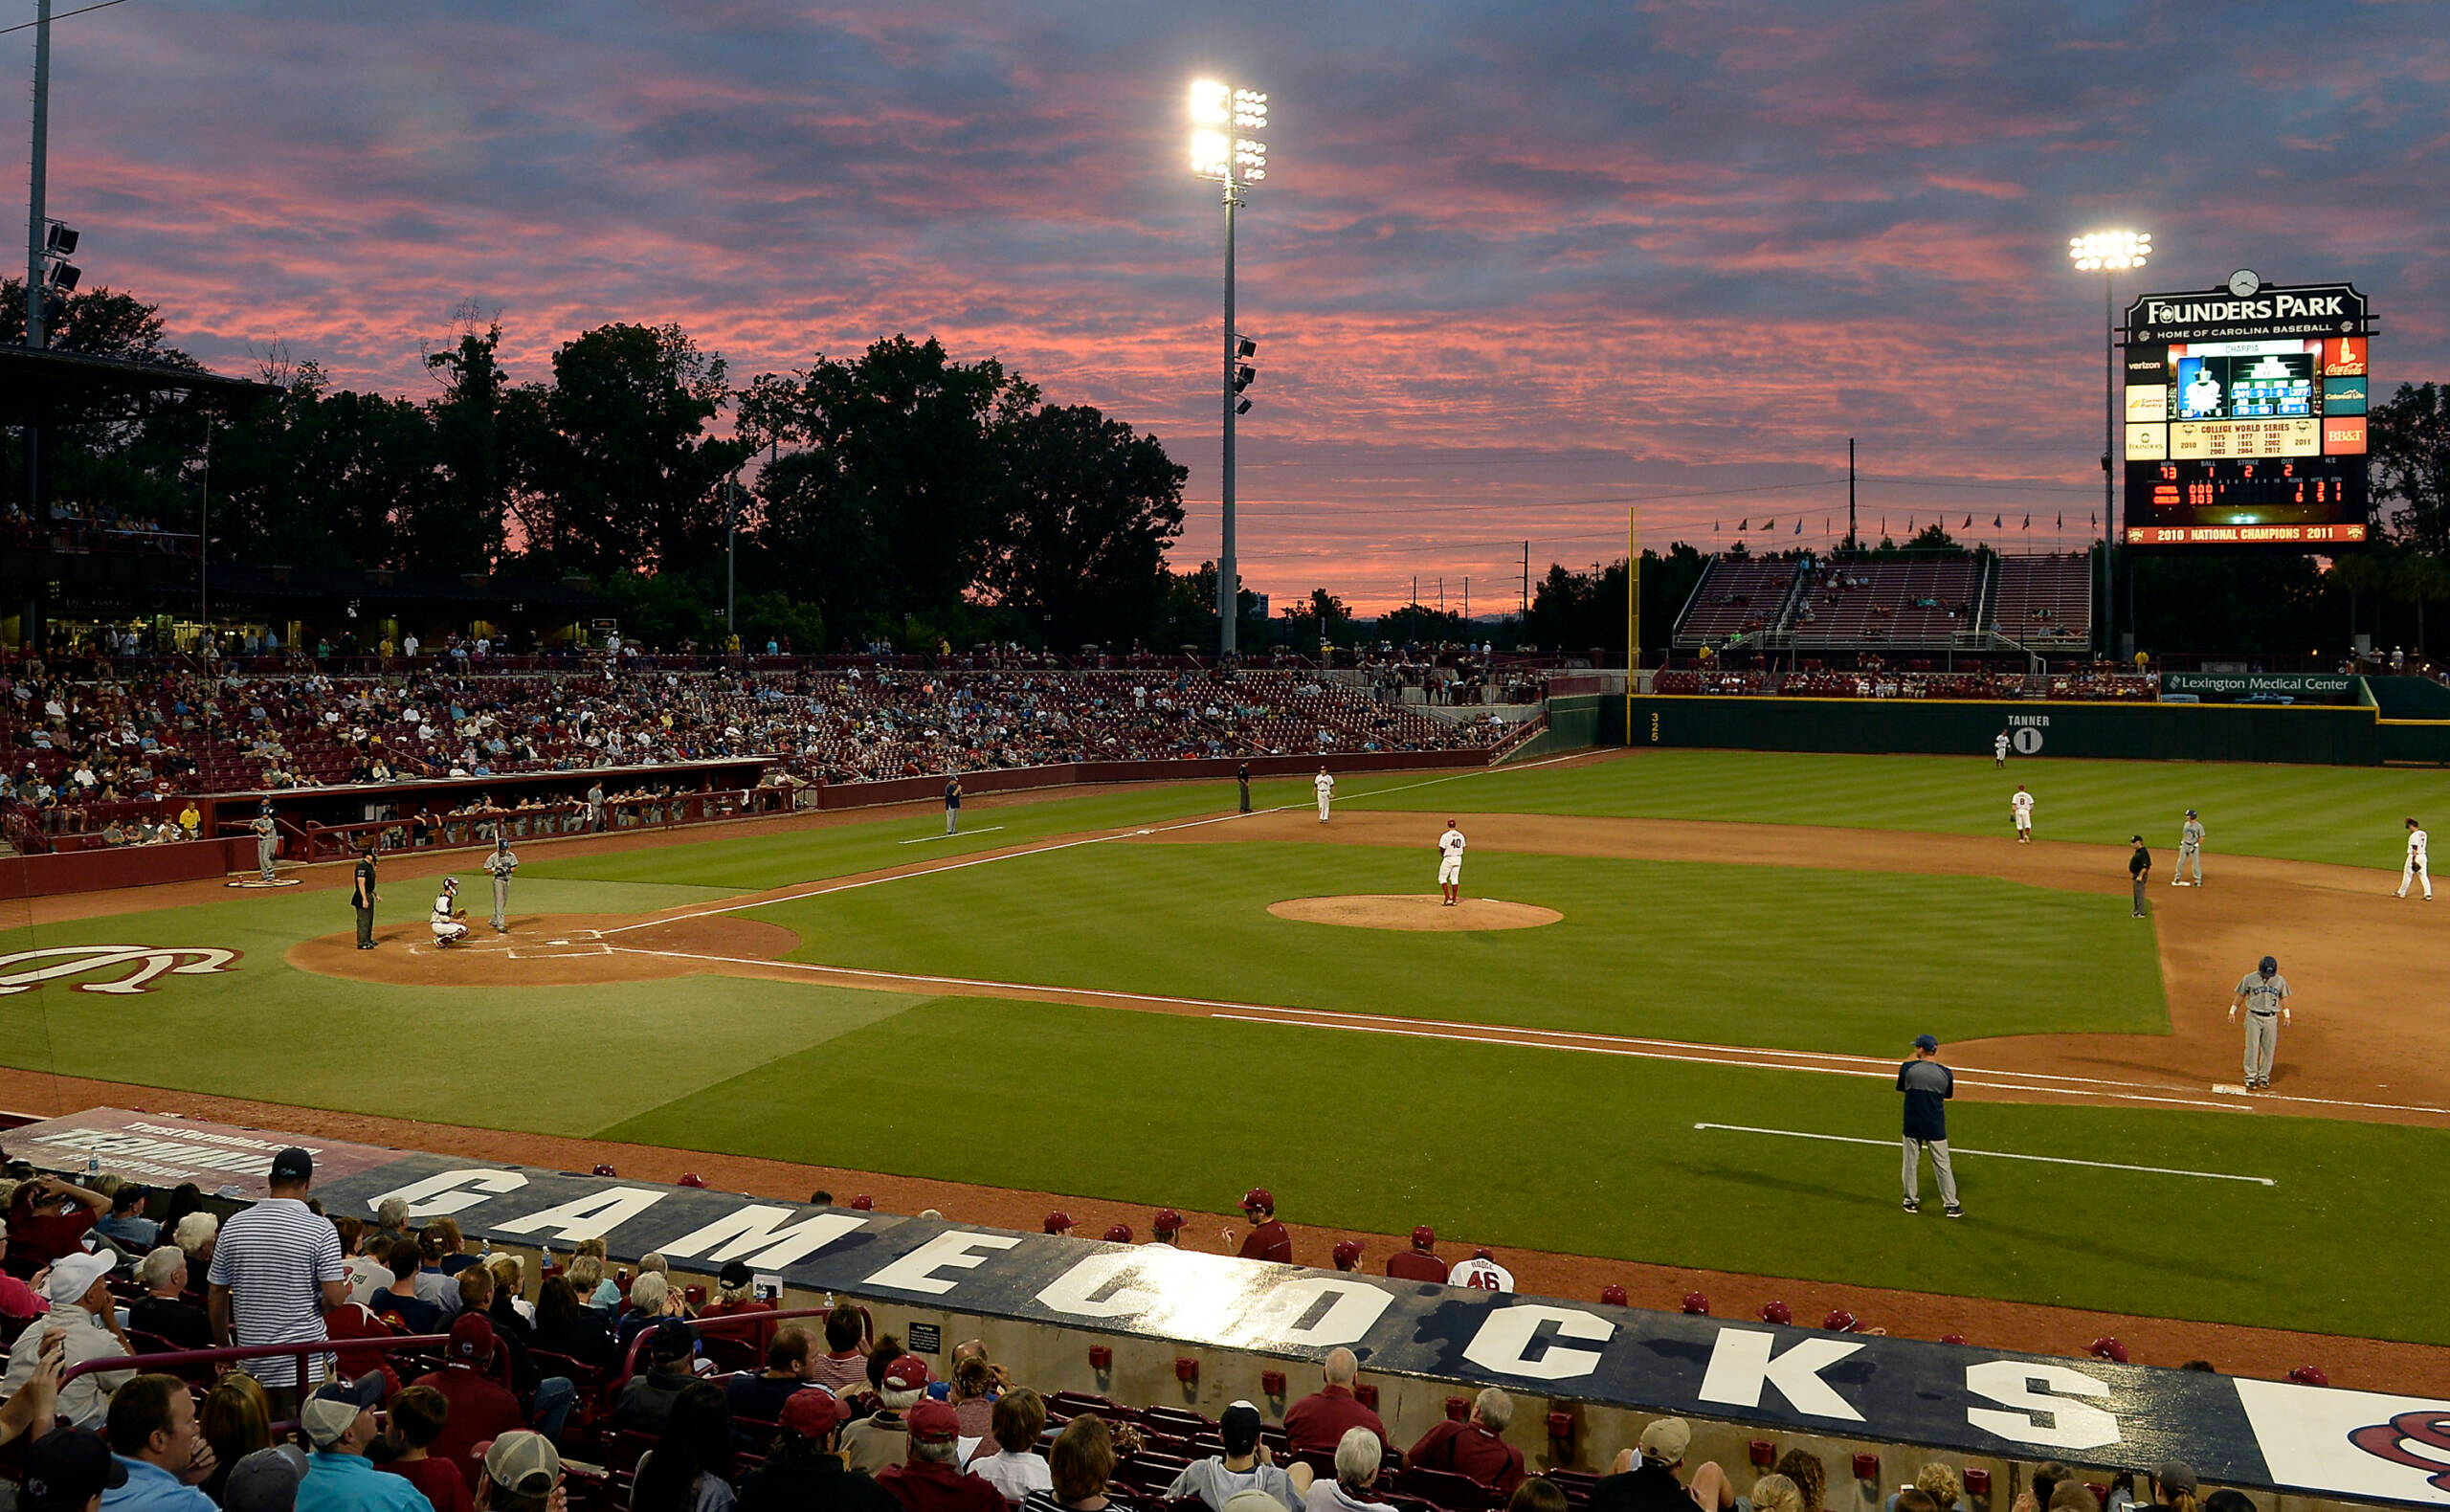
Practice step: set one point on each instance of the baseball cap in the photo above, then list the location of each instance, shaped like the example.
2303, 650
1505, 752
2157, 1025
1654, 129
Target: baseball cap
1611, 1295
2135, 839
671, 1339
1927, 1041
328, 1413
265, 1481
1240, 1428
908, 1373
292, 1165
1119, 1234
1258, 1199
2269, 965
2190, 814
1058, 1221
1167, 1221
2174, 1475
735, 1274
2106, 1348
1424, 1237
70, 1467
471, 1339
73, 1275
524, 1463
1666, 1439
934, 1422
811, 1411
1484, 1253
692, 1180
863, 1203
1348, 1251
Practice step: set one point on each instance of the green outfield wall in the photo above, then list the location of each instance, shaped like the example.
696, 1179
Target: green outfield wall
2340, 736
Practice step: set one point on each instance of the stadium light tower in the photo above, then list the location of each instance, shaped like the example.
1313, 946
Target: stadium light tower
1224, 151
2106, 251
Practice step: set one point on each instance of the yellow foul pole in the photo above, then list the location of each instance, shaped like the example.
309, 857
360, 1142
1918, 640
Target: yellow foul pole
1632, 612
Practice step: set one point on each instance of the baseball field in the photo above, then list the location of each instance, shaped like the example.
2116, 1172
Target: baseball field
1661, 1031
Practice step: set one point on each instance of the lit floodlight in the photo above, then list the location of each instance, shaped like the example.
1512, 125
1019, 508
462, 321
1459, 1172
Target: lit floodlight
2109, 249
1210, 154
1211, 103
1219, 115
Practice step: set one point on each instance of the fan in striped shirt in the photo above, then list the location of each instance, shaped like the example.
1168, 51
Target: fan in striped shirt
276, 1272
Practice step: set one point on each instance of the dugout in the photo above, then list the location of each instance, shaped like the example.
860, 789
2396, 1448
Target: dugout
1151, 1327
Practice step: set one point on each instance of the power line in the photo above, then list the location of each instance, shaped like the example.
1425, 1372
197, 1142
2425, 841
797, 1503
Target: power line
61, 16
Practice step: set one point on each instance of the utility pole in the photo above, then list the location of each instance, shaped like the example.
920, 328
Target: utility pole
1526, 584
1851, 545
1467, 604
731, 532
35, 230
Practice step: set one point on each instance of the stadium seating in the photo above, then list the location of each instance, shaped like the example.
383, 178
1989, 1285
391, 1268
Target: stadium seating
2044, 600
1737, 595
1876, 601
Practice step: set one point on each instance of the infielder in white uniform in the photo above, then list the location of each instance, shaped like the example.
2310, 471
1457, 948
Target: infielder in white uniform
448, 930
1450, 864
2413, 868
2021, 806
1326, 784
2264, 994
1999, 749
2189, 849
499, 865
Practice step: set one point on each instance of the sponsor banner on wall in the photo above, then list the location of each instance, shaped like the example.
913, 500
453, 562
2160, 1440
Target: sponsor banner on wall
1972, 1401
2295, 684
164, 1150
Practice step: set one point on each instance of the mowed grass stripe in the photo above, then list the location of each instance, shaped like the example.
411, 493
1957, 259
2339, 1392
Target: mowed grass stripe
1811, 960
1595, 1155
2346, 816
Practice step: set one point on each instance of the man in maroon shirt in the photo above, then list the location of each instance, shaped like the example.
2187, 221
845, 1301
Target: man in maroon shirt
1420, 1263
1321, 1420
482, 1408
1475, 1449
929, 1480
1267, 1239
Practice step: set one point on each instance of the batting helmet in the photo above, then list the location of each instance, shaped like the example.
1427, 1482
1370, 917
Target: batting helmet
1119, 1234
1059, 1221
1777, 1313
603, 1169
1952, 1338
1697, 1303
2311, 1375
1348, 1251
2106, 1348
1840, 1321
1167, 1221
690, 1178
1613, 1295
864, 1203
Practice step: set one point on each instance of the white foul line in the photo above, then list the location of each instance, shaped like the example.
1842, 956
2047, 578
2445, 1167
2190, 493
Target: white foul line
2001, 1154
950, 835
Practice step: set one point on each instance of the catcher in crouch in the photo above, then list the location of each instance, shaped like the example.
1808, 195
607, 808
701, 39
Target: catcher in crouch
448, 930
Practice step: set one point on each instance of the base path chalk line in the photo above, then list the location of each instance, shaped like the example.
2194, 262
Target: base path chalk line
1034, 850
2001, 1154
950, 835
1501, 1035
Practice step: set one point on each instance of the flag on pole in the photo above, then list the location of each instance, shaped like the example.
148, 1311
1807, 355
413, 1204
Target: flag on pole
1969, 523
1995, 518
2028, 522
1769, 524
1798, 524
1744, 525
2063, 520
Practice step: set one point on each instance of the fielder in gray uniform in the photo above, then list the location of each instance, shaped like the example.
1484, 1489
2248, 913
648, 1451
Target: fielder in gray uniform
267, 840
500, 864
2190, 850
2264, 996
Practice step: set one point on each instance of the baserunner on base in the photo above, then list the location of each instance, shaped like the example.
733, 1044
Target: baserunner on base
2263, 993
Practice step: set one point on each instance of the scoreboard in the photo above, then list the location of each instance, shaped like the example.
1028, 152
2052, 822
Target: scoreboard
2245, 416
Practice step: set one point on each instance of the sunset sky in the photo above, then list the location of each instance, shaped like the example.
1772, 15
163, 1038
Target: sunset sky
1514, 266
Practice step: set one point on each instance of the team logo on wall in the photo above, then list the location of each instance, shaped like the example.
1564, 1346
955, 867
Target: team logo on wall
2404, 1440
137, 965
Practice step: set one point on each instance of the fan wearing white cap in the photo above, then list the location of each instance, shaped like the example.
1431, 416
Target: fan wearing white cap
338, 1423
81, 1313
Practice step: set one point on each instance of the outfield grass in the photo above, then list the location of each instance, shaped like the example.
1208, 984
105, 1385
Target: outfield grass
2348, 815
1589, 1154
1817, 960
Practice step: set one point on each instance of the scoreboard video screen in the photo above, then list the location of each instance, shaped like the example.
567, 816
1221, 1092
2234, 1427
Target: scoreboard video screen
2245, 416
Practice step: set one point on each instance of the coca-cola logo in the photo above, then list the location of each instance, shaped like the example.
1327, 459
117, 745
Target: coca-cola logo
2401, 1439
137, 965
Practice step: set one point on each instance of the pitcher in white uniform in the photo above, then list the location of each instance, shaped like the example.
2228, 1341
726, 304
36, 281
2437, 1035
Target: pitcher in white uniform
2412, 869
1326, 784
1450, 864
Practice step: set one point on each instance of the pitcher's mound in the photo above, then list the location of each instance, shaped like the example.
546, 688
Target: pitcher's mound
1413, 911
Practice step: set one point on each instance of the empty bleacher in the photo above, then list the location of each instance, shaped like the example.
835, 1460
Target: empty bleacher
1905, 601
1736, 596
2044, 600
